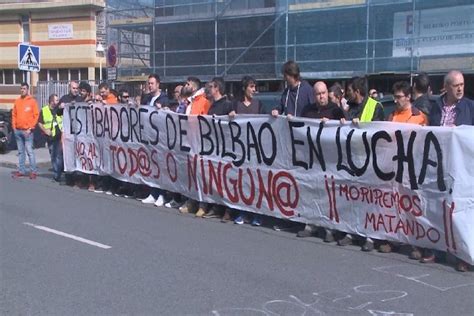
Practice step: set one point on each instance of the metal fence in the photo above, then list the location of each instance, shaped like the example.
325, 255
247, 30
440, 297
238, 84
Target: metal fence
46, 88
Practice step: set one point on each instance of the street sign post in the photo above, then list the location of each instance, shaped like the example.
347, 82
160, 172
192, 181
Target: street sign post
112, 56
28, 57
111, 73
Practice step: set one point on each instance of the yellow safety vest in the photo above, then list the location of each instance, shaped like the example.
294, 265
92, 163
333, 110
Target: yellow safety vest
369, 110
50, 121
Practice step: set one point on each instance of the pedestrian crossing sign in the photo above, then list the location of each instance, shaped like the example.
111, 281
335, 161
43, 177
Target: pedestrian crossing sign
28, 57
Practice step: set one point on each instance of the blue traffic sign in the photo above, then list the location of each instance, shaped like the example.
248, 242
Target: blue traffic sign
28, 57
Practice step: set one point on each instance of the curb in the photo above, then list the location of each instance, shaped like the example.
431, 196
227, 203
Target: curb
12, 165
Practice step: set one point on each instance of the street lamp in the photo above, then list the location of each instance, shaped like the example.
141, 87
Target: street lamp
100, 50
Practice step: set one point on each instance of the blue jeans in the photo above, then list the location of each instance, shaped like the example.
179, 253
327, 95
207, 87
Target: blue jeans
56, 152
25, 146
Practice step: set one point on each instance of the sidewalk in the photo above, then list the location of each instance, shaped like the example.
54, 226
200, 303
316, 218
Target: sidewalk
10, 159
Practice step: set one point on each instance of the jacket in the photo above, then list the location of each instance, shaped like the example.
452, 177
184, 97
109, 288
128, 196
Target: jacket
25, 113
464, 112
294, 99
356, 110
199, 104
221, 107
162, 99
111, 99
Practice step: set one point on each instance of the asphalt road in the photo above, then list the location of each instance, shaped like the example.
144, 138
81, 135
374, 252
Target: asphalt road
150, 261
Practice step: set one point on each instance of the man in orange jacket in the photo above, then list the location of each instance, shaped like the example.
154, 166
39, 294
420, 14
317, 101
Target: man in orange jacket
24, 119
199, 104
107, 96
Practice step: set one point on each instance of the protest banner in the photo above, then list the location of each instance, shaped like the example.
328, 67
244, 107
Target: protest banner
398, 182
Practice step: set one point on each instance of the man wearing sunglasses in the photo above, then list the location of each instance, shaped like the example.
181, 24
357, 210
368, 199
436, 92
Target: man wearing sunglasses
124, 97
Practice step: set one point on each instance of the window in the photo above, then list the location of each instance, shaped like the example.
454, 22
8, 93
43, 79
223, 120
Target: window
12, 76
84, 74
8, 76
64, 74
19, 76
74, 73
53, 74
43, 75
25, 25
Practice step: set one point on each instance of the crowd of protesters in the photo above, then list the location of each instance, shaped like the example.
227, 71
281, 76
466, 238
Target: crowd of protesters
353, 103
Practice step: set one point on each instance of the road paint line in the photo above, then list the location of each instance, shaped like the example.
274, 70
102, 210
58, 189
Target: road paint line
60, 233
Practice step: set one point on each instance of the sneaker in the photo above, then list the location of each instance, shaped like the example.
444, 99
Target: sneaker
91, 188
33, 175
329, 237
284, 227
184, 209
347, 240
256, 221
227, 217
122, 192
428, 256
108, 192
368, 245
18, 174
149, 200
173, 204
160, 201
98, 190
138, 197
211, 214
385, 248
415, 254
462, 266
239, 220
200, 212
304, 233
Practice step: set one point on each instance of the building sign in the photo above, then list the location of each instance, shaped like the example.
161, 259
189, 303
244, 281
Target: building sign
431, 32
28, 57
60, 31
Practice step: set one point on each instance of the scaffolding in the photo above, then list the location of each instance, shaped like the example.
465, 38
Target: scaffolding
327, 38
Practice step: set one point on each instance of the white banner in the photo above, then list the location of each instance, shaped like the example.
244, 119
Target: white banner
398, 182
441, 31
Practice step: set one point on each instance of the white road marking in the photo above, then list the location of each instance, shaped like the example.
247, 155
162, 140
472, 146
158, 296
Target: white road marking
77, 238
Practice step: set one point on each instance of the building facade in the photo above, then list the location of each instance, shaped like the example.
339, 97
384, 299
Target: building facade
67, 33
329, 39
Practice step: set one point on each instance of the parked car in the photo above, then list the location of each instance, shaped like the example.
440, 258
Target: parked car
6, 131
388, 104
270, 100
